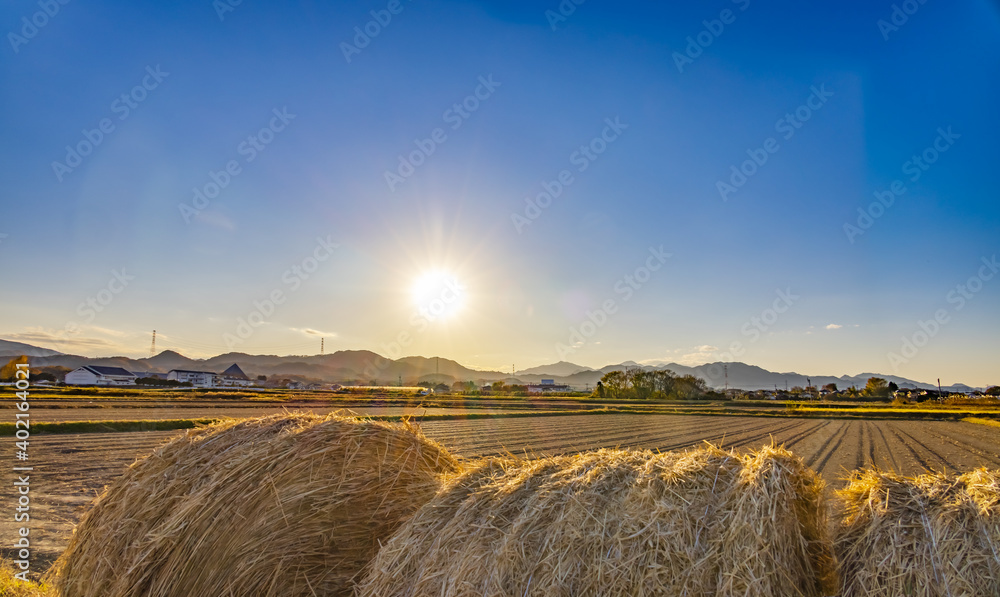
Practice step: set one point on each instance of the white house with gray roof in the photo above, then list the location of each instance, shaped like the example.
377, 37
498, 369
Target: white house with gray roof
96, 375
232, 377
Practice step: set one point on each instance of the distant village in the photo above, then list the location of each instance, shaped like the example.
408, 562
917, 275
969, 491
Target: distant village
234, 377
630, 384
97, 375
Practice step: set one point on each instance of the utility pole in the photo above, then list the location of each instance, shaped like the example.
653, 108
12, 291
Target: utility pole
940, 393
725, 369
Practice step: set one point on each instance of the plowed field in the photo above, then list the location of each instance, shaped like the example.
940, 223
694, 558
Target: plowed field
71, 469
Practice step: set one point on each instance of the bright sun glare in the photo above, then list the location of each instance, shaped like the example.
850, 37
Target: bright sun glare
438, 295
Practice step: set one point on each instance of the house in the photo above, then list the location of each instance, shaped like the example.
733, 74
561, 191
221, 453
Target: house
96, 375
547, 385
150, 375
198, 379
232, 377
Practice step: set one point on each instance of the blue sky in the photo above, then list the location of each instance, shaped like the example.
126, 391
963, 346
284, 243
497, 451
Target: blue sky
527, 291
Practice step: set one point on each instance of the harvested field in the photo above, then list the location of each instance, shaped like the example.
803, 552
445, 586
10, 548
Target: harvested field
58, 415
71, 469
830, 446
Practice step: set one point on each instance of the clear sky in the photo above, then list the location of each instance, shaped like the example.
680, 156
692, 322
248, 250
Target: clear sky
258, 176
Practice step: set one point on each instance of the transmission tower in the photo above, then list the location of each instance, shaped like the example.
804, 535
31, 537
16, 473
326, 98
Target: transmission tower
322, 343
152, 347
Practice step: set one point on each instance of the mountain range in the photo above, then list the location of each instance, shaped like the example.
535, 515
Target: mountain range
363, 366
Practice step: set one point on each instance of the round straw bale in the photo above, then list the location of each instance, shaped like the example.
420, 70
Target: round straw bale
927, 536
283, 505
615, 522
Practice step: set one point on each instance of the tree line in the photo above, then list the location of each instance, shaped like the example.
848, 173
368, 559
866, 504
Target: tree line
636, 384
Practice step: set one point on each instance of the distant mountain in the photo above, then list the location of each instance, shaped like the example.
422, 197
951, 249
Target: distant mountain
364, 366
347, 366
560, 369
750, 377
16, 349
622, 366
167, 360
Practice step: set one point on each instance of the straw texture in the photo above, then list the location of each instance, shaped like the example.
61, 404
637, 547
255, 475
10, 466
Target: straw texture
929, 536
616, 522
283, 505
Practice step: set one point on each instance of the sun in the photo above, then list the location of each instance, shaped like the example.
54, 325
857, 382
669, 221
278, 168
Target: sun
438, 295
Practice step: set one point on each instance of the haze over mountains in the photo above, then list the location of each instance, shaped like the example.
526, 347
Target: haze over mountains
362, 366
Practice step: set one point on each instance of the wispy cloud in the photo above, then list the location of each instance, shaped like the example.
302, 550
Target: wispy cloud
216, 219
699, 355
695, 355
834, 326
312, 332
87, 341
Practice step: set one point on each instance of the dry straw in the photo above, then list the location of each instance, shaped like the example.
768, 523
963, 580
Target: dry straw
12, 586
284, 505
930, 536
616, 522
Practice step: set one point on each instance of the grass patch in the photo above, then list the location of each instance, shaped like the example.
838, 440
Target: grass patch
978, 421
11, 586
7, 429
922, 412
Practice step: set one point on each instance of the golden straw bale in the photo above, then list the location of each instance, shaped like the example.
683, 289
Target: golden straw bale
283, 505
927, 536
615, 522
